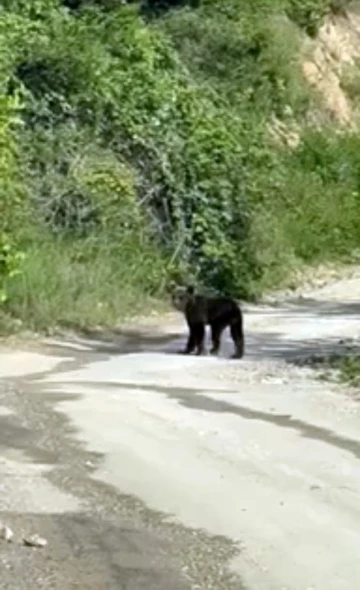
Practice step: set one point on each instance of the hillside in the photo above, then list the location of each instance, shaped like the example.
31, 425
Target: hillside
214, 139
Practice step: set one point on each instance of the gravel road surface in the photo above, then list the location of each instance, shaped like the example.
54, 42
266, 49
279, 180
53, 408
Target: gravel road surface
148, 470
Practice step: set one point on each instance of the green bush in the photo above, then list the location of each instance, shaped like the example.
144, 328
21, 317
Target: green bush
11, 201
143, 152
350, 82
311, 210
100, 84
251, 57
308, 14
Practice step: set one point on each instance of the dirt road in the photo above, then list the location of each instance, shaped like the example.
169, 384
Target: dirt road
149, 470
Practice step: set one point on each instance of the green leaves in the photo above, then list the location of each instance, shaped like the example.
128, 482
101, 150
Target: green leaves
11, 201
155, 138
123, 83
11, 261
308, 14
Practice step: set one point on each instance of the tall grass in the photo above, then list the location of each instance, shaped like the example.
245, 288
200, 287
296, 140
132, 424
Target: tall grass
83, 285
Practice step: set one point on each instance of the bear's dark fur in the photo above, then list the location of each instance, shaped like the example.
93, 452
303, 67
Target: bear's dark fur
217, 312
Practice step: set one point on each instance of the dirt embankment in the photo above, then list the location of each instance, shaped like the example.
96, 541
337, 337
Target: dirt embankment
334, 52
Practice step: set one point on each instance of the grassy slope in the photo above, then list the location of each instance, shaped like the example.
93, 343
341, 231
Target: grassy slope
144, 153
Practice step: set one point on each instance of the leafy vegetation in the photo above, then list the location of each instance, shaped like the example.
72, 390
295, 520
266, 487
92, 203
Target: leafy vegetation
350, 369
339, 367
136, 147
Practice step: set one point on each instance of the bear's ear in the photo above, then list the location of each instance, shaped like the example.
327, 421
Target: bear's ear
190, 290
171, 286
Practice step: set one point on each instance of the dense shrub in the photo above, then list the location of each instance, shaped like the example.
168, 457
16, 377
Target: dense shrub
143, 152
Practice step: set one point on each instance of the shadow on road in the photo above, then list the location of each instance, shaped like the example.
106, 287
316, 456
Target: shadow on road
299, 330
310, 307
